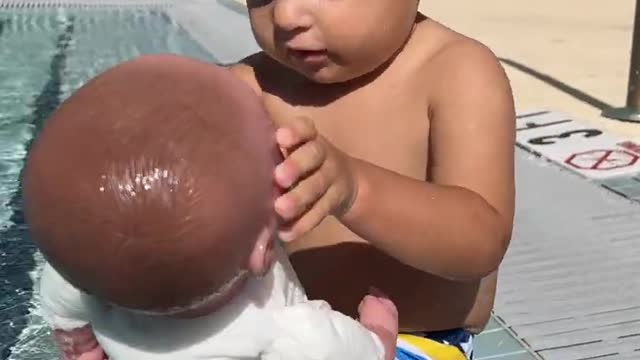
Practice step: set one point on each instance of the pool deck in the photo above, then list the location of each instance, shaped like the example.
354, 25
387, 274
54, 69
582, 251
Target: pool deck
568, 288
570, 55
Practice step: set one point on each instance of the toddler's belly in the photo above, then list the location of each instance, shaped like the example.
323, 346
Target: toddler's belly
341, 273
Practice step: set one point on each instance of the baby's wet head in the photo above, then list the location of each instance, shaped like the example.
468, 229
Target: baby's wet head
151, 186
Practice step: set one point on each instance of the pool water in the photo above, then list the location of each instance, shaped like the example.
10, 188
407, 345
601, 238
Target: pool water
45, 54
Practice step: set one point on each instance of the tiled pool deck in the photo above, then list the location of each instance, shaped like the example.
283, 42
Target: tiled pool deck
498, 343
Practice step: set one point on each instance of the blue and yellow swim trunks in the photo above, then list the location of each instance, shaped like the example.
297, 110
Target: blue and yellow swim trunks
456, 344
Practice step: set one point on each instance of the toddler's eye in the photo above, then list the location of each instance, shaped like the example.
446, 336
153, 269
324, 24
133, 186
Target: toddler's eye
257, 3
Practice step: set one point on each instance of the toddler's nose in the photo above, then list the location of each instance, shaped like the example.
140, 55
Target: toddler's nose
292, 15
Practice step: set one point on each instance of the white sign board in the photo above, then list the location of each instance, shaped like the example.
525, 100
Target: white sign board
577, 146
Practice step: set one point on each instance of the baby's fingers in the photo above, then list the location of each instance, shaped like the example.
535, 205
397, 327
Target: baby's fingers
301, 162
95, 354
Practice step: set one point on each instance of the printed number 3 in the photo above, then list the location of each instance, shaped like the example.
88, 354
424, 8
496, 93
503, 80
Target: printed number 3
549, 139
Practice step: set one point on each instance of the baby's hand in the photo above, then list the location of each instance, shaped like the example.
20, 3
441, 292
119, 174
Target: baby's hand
317, 176
379, 315
78, 344
95, 354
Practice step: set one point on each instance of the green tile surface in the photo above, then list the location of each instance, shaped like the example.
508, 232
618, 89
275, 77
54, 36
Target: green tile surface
515, 356
495, 342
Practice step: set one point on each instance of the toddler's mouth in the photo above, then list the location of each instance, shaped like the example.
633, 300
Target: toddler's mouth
310, 57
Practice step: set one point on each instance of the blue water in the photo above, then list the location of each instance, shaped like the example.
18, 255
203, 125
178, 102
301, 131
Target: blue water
46, 54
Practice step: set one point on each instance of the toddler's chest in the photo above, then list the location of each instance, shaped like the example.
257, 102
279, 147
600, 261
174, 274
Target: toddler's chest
385, 129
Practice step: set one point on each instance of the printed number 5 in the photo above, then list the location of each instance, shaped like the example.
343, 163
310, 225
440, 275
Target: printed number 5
549, 139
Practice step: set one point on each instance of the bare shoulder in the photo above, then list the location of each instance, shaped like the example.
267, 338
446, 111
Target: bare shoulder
262, 73
460, 66
457, 50
247, 68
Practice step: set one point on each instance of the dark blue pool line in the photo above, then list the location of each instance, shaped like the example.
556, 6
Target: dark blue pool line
16, 287
3, 23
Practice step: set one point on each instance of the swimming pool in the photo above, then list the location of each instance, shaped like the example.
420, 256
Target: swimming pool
45, 54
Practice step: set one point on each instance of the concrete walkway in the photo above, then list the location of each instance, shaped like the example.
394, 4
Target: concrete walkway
579, 48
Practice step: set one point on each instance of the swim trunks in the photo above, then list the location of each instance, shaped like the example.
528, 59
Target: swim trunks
456, 344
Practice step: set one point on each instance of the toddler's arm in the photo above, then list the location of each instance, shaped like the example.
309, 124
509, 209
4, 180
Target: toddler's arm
63, 309
313, 331
457, 224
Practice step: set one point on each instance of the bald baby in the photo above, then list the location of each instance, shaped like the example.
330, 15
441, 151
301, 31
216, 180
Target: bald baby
159, 174
150, 194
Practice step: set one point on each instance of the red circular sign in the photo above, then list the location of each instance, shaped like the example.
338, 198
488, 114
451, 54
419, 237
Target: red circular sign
602, 159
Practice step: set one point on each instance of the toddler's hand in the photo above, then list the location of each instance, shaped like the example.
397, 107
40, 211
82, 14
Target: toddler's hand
317, 178
380, 315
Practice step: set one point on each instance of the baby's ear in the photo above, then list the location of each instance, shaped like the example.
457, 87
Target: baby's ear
261, 257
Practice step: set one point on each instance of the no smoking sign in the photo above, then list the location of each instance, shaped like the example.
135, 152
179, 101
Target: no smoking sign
602, 160
577, 146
